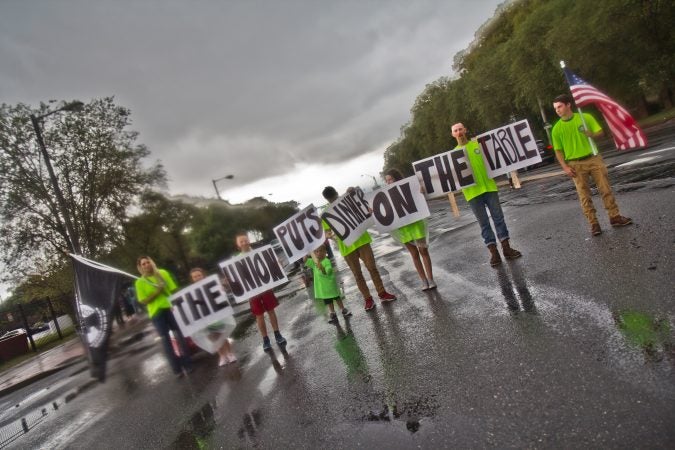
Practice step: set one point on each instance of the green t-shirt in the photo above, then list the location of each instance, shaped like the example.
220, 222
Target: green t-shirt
483, 183
411, 232
568, 138
325, 284
344, 249
145, 286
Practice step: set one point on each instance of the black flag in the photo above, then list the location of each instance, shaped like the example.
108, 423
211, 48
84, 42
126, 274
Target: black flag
97, 288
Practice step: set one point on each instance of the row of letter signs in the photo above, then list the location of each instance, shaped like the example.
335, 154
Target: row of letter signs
398, 204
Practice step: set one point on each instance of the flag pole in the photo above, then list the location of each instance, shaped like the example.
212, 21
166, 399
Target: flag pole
581, 114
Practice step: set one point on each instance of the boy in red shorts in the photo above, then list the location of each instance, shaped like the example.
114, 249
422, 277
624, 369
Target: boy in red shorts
265, 302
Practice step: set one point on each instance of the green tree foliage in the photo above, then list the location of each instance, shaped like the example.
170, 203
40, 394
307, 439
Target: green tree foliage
99, 168
624, 47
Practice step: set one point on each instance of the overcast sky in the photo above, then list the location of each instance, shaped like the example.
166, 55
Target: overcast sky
288, 96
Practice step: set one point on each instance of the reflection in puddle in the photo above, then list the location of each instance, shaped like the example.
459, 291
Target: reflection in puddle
197, 430
250, 424
411, 411
151, 368
649, 333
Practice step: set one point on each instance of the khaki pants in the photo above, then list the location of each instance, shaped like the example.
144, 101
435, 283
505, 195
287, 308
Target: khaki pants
595, 167
365, 254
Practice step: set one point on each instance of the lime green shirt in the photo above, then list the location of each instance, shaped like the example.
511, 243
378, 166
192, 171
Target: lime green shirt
325, 284
145, 286
568, 137
483, 182
345, 249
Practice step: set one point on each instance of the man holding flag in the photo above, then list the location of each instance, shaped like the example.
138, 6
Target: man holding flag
577, 154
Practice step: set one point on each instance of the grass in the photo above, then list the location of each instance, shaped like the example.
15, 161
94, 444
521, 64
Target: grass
42, 346
657, 118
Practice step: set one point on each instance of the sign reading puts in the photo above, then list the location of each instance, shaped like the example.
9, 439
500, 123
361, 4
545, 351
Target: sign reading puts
398, 204
444, 173
300, 234
201, 304
253, 273
508, 148
349, 216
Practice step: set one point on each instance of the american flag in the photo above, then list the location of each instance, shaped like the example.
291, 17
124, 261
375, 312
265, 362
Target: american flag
624, 129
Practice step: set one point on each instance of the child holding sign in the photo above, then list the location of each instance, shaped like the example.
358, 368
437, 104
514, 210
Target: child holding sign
325, 283
265, 302
215, 333
414, 237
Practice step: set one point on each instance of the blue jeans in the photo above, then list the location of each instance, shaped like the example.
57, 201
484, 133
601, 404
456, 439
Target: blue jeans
489, 200
163, 322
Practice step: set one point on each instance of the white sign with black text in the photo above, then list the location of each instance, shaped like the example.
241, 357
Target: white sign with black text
398, 204
349, 216
201, 304
253, 273
508, 148
300, 234
444, 173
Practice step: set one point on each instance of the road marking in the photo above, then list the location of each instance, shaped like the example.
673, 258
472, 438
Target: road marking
635, 162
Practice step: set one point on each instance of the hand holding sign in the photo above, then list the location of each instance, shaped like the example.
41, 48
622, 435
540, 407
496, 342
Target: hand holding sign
349, 216
508, 148
398, 204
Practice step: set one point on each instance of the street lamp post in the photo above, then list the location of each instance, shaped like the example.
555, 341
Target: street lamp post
215, 184
71, 236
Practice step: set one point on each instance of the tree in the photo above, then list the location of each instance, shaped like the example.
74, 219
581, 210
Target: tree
98, 165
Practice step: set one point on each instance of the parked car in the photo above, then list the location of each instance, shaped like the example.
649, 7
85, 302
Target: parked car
547, 155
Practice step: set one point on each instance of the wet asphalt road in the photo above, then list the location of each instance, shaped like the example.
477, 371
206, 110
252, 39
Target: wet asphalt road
571, 345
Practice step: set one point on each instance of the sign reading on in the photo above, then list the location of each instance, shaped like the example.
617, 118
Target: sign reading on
300, 234
508, 148
398, 204
253, 273
445, 172
201, 304
349, 216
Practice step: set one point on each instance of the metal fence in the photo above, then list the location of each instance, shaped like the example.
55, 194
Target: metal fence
31, 326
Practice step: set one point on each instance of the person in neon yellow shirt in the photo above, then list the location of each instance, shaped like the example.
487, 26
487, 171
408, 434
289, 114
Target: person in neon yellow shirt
359, 250
483, 196
153, 289
325, 283
576, 153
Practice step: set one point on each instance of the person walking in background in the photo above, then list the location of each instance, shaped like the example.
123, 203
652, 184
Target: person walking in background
153, 290
359, 251
575, 151
263, 303
416, 239
483, 197
215, 333
325, 283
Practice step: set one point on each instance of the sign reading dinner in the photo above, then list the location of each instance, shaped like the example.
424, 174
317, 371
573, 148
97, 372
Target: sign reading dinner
398, 204
349, 216
508, 148
253, 273
444, 173
201, 304
301, 234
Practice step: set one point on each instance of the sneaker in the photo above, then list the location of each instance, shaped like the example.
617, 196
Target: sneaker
620, 221
281, 341
267, 346
595, 229
333, 318
231, 358
386, 296
370, 304
346, 313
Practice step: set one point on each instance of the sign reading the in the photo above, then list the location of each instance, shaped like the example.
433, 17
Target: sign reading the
444, 173
508, 148
300, 234
349, 216
398, 204
253, 273
201, 304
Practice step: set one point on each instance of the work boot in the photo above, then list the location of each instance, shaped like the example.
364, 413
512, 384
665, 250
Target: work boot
495, 259
620, 221
595, 229
510, 253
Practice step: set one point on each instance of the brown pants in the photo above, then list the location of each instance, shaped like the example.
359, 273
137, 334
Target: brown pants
365, 254
595, 167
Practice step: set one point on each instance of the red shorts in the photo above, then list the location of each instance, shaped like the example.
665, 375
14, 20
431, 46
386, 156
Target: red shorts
266, 301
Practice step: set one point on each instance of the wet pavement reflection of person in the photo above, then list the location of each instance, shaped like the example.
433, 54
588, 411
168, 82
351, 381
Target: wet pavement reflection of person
514, 277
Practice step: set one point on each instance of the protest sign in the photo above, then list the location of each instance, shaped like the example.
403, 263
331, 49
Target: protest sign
349, 216
444, 173
508, 148
253, 273
200, 305
398, 204
300, 234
